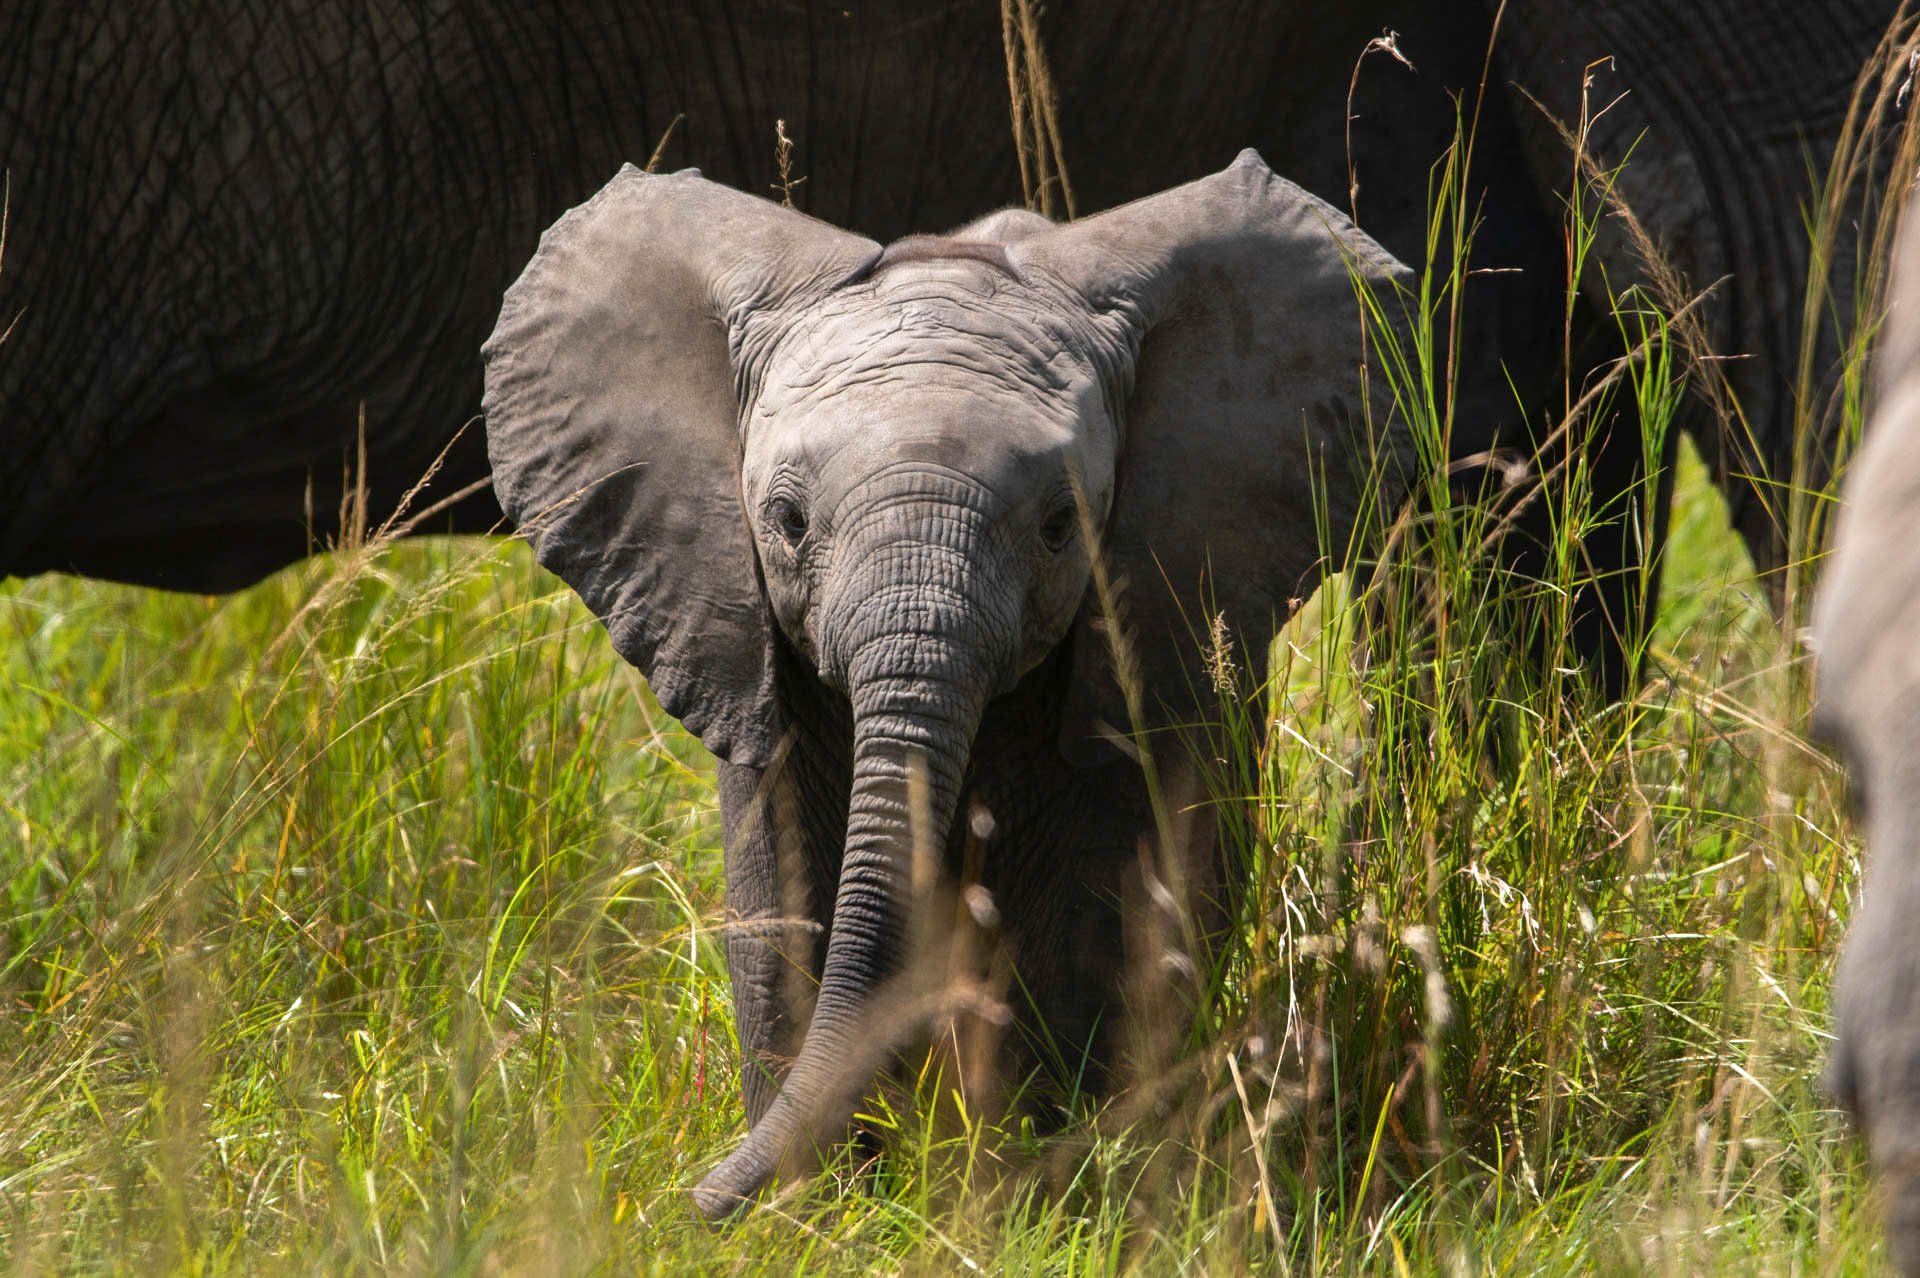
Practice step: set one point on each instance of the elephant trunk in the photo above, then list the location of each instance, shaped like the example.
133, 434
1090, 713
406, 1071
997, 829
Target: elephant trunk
920, 667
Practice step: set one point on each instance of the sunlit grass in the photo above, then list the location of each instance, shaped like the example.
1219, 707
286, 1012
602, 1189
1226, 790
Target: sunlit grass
385, 936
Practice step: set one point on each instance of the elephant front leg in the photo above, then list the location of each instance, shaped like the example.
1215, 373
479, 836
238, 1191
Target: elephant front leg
1117, 940
775, 927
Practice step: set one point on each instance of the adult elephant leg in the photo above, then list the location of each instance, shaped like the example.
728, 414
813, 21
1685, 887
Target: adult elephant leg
1868, 704
1722, 177
1621, 519
1876, 1063
1513, 378
1632, 497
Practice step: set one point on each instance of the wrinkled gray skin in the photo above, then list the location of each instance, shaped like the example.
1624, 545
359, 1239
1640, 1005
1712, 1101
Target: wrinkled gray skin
827, 499
1865, 625
233, 226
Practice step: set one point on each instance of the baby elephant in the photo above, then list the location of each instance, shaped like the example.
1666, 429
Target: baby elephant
1867, 625
902, 534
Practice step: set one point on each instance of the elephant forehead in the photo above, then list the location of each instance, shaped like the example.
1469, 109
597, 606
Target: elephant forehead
956, 326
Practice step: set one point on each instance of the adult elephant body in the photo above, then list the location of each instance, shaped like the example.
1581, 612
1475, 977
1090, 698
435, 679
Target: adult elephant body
1865, 626
1730, 120
235, 228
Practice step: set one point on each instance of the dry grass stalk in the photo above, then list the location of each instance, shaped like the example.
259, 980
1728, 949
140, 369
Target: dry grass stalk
783, 159
1035, 108
660, 147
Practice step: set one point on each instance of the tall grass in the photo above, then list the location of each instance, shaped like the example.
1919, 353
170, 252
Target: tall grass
370, 920
1532, 979
385, 936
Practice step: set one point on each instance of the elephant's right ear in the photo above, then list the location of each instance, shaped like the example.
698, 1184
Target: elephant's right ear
613, 426
1254, 439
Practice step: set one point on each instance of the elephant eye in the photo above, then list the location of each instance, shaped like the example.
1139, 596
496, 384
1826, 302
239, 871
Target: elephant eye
1057, 531
788, 519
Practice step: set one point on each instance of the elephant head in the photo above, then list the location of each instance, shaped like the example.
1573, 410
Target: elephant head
1869, 703
731, 427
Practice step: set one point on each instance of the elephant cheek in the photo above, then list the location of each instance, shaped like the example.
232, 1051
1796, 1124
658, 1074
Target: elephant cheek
1052, 603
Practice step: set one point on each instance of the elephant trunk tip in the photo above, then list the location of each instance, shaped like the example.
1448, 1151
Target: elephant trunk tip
726, 1192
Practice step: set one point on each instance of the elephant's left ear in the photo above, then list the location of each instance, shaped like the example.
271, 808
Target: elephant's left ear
1258, 433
